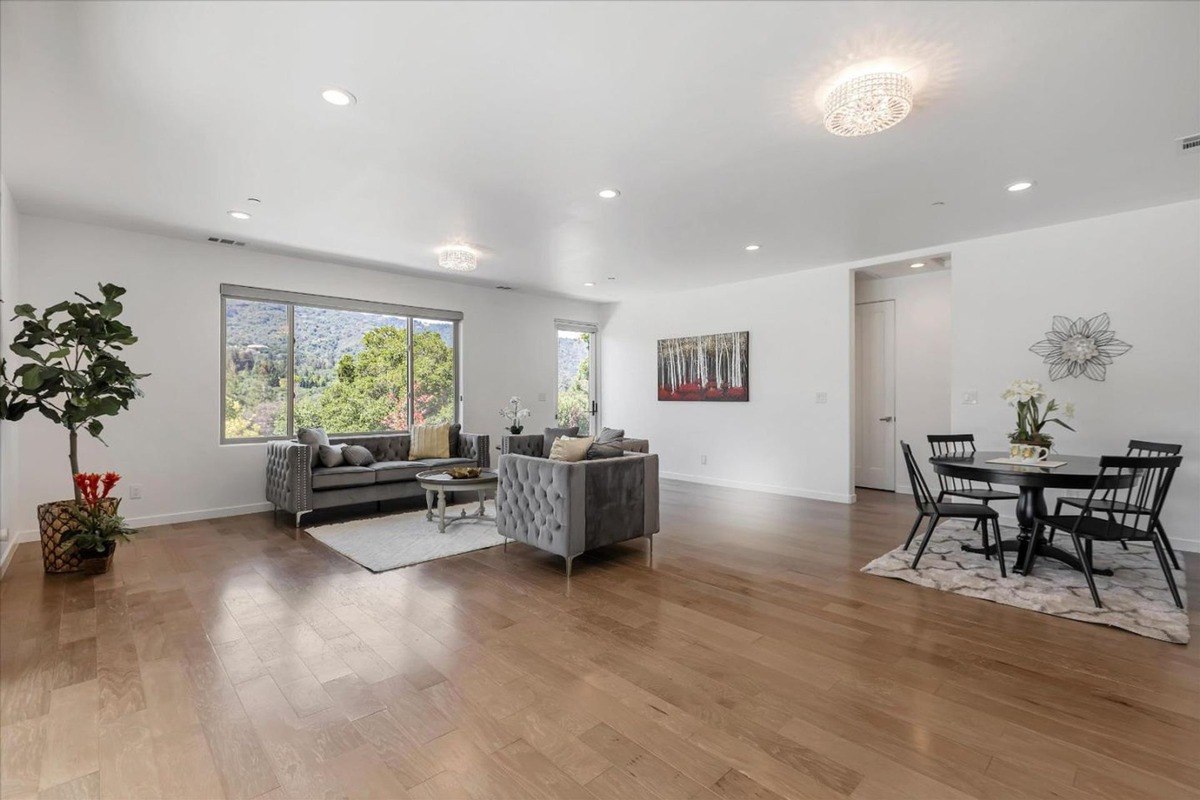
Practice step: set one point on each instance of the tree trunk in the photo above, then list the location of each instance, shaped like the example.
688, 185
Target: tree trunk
74, 436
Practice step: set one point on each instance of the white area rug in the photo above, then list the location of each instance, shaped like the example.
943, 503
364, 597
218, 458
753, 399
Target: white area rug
400, 540
1135, 598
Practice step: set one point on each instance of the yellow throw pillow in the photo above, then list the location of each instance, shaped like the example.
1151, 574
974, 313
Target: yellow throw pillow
567, 448
430, 441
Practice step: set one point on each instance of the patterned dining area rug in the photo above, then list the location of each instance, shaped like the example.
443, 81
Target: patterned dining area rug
1135, 597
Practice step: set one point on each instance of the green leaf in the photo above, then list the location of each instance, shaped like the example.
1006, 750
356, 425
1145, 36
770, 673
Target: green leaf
31, 379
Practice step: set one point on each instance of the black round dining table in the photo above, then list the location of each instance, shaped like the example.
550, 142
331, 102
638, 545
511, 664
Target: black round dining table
1079, 472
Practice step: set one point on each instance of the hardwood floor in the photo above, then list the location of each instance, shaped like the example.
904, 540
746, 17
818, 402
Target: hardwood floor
233, 658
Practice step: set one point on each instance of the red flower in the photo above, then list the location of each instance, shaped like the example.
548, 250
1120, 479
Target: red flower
95, 487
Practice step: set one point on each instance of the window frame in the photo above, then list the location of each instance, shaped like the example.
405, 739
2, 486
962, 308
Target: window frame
293, 299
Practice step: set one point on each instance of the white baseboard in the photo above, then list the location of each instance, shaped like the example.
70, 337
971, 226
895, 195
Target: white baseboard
832, 497
171, 519
7, 548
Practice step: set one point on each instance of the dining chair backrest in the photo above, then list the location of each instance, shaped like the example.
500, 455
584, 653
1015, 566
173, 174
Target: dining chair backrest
1140, 448
920, 489
1147, 480
1137, 447
952, 445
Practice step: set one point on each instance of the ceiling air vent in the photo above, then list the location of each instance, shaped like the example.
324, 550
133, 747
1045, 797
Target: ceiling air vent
226, 241
1189, 143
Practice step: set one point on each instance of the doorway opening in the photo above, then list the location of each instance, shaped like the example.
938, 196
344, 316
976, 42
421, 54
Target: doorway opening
577, 385
901, 366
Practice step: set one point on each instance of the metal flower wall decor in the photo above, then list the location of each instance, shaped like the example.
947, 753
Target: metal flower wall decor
1080, 347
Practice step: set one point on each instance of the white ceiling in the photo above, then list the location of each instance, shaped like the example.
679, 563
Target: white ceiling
497, 123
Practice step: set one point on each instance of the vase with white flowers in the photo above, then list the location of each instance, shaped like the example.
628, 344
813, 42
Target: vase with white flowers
514, 413
1033, 413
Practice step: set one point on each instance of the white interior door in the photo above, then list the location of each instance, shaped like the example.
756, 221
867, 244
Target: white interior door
875, 395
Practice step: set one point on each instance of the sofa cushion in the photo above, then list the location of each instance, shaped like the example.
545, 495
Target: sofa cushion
609, 435
332, 455
357, 456
550, 434
314, 438
567, 448
430, 441
341, 477
392, 471
430, 463
599, 450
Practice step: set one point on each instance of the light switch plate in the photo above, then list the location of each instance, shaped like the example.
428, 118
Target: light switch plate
541, 397
971, 398
822, 397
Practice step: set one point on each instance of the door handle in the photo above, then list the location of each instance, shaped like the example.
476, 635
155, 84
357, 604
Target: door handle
886, 419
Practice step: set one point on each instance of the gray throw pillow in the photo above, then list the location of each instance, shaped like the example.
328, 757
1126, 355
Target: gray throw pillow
550, 434
332, 455
598, 451
314, 438
357, 456
455, 430
608, 435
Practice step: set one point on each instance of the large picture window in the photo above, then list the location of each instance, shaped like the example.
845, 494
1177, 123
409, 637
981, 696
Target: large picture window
292, 360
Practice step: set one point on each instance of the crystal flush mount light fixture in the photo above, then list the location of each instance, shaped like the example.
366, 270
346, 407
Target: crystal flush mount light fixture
458, 258
868, 104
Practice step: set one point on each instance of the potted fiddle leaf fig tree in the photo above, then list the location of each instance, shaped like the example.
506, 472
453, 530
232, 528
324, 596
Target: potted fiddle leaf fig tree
72, 374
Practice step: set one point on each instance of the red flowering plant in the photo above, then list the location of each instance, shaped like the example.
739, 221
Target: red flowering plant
97, 523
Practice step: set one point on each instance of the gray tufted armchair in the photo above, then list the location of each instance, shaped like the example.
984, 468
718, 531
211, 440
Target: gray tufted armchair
570, 508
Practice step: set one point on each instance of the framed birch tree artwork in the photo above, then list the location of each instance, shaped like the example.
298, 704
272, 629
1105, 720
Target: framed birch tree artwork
711, 368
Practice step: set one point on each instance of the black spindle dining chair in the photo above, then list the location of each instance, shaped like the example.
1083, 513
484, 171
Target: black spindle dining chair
1108, 502
950, 445
938, 511
1128, 514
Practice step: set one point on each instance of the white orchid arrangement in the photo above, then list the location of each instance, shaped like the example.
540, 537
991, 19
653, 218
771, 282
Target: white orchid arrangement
514, 413
1026, 395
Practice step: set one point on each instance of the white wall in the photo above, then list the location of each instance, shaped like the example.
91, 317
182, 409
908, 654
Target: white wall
781, 440
923, 336
168, 440
8, 430
1141, 267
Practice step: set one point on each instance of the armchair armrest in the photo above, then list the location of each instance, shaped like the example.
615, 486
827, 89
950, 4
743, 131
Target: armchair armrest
476, 446
524, 444
289, 476
541, 502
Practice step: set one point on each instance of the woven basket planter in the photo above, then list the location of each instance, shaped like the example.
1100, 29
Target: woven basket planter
55, 521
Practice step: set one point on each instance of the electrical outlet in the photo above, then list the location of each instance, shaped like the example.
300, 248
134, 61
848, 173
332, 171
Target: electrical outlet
971, 398
822, 397
703, 459
135, 491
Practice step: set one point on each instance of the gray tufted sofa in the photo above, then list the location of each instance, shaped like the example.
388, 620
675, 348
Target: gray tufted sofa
297, 484
568, 508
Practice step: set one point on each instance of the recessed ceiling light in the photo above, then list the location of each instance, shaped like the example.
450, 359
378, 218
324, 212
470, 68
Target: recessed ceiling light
338, 97
916, 265
238, 214
1020, 186
609, 194
752, 247
589, 283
